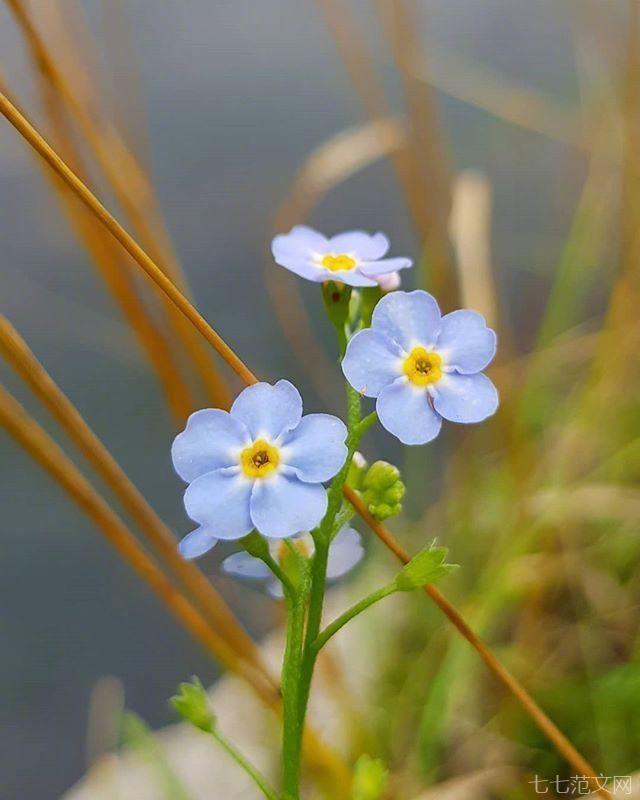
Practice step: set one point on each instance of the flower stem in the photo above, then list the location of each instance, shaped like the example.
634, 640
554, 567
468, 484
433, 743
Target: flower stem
292, 718
350, 613
257, 777
302, 672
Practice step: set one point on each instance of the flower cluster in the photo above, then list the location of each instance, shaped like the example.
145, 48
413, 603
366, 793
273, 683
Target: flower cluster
262, 465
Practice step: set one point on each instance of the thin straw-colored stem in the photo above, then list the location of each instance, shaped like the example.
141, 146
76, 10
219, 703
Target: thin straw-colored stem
401, 22
147, 264
51, 457
131, 188
24, 127
546, 725
212, 606
109, 260
360, 67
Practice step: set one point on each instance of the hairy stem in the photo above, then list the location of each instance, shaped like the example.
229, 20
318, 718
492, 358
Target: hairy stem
293, 720
322, 538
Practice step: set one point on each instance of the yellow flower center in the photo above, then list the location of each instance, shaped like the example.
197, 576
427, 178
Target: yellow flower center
259, 459
422, 367
339, 262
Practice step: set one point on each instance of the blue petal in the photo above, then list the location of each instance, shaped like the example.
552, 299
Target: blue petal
305, 269
220, 500
405, 411
345, 552
274, 588
360, 245
465, 398
386, 265
301, 242
283, 505
197, 543
352, 277
268, 411
409, 318
315, 449
210, 440
242, 565
465, 342
371, 362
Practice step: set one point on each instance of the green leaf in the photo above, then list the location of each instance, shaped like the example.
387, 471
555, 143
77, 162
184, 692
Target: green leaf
426, 567
369, 778
192, 703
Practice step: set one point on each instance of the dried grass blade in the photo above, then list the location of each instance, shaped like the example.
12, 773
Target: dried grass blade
132, 189
49, 455
220, 617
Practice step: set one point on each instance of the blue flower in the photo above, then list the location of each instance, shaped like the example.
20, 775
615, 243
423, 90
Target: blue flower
422, 367
260, 466
354, 257
345, 552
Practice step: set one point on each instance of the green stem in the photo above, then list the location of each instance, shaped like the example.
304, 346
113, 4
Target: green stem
350, 613
292, 718
281, 575
257, 777
322, 538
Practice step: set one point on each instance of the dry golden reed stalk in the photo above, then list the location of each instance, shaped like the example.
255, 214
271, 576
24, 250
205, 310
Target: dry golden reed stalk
22, 125
220, 618
470, 227
52, 458
427, 153
139, 255
546, 725
132, 190
359, 65
116, 274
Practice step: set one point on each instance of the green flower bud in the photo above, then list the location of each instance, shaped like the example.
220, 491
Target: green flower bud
369, 778
357, 471
426, 567
383, 490
192, 703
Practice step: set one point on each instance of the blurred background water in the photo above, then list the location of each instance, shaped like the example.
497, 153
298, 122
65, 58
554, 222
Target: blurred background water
235, 95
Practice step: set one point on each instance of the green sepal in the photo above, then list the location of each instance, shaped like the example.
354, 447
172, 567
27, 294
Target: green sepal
369, 778
192, 703
336, 298
429, 565
383, 490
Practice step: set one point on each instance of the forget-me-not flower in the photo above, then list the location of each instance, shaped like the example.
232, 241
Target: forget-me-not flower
345, 551
421, 366
260, 465
355, 257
